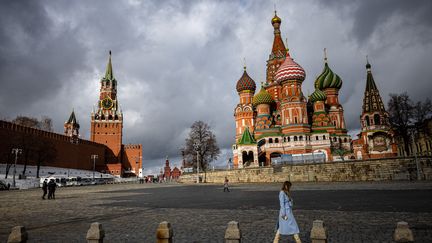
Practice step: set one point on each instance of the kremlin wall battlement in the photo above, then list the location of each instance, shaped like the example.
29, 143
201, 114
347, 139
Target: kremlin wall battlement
359, 170
74, 154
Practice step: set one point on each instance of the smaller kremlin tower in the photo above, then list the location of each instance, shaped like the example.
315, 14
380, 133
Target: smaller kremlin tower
71, 128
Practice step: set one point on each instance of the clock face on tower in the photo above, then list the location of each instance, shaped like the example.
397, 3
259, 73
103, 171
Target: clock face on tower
107, 103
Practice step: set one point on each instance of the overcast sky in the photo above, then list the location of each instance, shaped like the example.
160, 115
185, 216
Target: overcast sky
178, 61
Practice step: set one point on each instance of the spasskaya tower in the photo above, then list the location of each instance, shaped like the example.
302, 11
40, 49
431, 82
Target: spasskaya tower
107, 120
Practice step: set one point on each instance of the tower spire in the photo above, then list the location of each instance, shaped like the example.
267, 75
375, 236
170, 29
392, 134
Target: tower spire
244, 63
325, 55
109, 72
368, 66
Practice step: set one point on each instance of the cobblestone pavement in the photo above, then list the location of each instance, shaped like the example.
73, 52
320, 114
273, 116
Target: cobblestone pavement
132, 212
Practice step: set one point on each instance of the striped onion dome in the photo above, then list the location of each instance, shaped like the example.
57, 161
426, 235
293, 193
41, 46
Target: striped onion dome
328, 79
263, 97
317, 95
290, 70
245, 83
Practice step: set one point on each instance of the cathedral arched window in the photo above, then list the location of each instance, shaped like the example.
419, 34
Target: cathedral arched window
324, 137
316, 138
377, 119
367, 121
301, 138
295, 138
345, 140
289, 139
270, 140
284, 139
276, 140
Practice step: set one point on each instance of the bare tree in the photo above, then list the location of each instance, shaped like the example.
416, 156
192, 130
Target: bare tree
45, 152
26, 121
400, 114
406, 117
201, 140
45, 122
422, 111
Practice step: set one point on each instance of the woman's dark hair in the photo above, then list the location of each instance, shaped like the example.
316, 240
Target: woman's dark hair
286, 188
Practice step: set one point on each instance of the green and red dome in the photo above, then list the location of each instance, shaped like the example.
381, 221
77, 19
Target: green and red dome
263, 97
328, 79
317, 95
245, 83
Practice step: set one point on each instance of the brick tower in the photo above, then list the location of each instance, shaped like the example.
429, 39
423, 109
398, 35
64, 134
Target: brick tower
276, 58
107, 122
376, 139
243, 113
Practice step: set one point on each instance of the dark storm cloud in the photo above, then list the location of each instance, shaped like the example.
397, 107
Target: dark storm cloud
178, 61
369, 15
35, 57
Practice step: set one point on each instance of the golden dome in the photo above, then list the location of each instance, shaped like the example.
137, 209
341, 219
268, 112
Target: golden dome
276, 19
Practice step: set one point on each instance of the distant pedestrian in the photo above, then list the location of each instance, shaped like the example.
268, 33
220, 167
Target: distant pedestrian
8, 186
51, 189
287, 224
226, 184
44, 188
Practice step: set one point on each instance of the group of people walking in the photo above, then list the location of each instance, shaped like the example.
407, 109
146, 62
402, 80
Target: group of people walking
49, 187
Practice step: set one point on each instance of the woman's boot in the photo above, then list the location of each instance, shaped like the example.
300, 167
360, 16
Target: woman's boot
297, 238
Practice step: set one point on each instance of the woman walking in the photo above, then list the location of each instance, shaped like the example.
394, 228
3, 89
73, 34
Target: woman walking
287, 224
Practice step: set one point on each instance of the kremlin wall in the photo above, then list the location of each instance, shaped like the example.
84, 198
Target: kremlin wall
74, 155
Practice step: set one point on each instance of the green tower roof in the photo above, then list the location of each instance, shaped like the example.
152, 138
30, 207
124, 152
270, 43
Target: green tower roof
109, 71
263, 97
246, 138
317, 95
327, 79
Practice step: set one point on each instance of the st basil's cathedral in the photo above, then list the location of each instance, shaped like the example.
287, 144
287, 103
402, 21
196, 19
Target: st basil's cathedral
280, 124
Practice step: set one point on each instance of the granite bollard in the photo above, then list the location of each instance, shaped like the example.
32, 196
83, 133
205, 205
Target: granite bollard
318, 233
403, 233
164, 233
18, 235
95, 234
233, 233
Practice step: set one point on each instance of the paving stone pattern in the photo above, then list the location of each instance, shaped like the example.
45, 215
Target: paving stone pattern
129, 213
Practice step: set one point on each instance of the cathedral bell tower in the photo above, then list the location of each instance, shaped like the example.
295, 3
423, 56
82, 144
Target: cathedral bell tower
107, 121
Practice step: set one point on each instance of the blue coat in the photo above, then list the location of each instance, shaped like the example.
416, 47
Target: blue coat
289, 226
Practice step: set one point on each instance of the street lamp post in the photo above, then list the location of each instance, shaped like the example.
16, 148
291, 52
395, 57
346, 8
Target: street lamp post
94, 157
415, 155
15, 151
197, 146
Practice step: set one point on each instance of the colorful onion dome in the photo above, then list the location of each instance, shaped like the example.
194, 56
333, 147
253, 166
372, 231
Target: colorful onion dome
327, 79
317, 95
276, 19
263, 97
245, 83
290, 70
